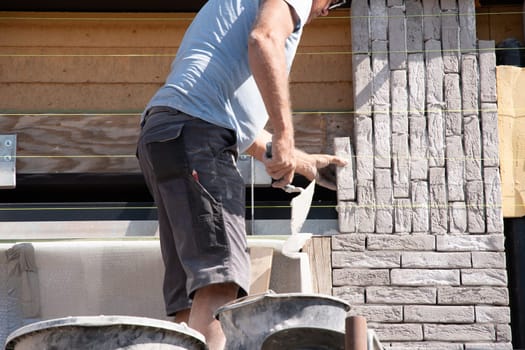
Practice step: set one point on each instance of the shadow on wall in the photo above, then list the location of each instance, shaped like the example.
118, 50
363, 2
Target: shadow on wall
510, 52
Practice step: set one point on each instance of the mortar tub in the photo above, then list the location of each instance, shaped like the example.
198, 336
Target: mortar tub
248, 321
305, 338
105, 333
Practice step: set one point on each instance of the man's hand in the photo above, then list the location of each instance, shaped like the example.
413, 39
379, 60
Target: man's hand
321, 167
281, 163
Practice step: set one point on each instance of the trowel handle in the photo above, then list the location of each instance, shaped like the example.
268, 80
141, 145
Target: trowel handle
269, 149
287, 188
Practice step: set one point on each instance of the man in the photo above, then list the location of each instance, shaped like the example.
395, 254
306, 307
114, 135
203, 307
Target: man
230, 77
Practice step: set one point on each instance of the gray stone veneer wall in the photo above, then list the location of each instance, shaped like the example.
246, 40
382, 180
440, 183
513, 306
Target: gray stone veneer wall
421, 250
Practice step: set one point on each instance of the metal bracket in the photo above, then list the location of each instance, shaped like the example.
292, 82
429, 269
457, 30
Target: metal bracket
253, 171
7, 161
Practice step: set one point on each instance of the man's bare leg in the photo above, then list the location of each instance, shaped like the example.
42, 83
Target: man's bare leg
205, 302
182, 316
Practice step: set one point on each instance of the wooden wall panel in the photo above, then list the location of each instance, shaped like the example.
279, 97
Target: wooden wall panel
106, 64
500, 22
74, 143
83, 143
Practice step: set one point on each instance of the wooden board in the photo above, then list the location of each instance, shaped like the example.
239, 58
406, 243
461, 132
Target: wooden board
260, 270
105, 143
511, 121
319, 250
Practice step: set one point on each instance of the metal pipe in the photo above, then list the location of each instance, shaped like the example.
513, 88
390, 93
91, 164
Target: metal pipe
355, 335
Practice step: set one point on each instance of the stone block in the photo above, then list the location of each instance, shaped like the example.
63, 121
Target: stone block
349, 242
393, 3
378, 20
436, 137
416, 84
414, 20
493, 205
384, 201
455, 168
382, 141
503, 333
473, 296
479, 332
366, 260
401, 295
401, 165
366, 207
378, 313
418, 148
489, 260
435, 260
466, 243
399, 99
488, 346
432, 21
380, 76
492, 314
447, 5
490, 136
453, 113
439, 314
417, 242
402, 215
364, 146
397, 38
472, 141
345, 175
438, 201
426, 345
424, 277
397, 332
360, 28
450, 41
457, 215
487, 71
352, 295
434, 71
362, 81
475, 207
346, 212
470, 84
420, 206
467, 24
484, 277
360, 277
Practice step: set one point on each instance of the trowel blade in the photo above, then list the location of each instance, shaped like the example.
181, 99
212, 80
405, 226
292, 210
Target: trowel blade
300, 207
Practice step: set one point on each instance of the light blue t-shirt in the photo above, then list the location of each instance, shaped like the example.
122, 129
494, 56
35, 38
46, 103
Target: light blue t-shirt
210, 76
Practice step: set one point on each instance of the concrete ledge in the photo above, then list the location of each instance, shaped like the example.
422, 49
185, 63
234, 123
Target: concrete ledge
115, 277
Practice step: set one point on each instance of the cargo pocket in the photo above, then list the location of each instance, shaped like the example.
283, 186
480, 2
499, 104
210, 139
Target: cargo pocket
208, 220
166, 152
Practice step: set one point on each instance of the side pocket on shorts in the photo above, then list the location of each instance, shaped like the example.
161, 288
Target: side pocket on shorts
166, 152
207, 219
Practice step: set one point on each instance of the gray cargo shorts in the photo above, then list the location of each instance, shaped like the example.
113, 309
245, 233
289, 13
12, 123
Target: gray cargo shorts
190, 168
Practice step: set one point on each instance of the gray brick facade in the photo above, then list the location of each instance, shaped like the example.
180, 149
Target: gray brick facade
421, 249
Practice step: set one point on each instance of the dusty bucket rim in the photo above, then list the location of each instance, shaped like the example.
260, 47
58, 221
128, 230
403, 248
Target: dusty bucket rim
104, 321
250, 299
288, 337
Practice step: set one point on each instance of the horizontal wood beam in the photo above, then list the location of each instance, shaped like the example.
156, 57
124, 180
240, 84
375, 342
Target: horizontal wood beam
81, 143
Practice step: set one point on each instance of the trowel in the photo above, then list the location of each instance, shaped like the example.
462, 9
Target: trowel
301, 203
